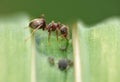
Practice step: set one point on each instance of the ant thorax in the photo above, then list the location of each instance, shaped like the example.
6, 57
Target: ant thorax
52, 26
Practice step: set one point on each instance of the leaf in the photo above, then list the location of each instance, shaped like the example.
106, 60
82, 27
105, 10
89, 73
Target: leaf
28, 61
46, 72
100, 51
14, 51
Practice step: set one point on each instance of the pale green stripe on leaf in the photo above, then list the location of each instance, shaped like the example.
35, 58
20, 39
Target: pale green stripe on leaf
100, 49
14, 51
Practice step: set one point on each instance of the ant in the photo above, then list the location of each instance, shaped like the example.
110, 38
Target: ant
40, 23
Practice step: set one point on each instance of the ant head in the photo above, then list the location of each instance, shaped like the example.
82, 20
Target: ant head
64, 31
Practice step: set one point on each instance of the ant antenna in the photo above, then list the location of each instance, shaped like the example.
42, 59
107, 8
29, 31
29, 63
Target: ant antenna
49, 37
57, 34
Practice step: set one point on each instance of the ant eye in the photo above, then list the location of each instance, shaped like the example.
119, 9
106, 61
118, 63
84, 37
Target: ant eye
62, 64
63, 30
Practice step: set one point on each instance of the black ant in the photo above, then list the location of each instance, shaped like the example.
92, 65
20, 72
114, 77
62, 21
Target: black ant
40, 23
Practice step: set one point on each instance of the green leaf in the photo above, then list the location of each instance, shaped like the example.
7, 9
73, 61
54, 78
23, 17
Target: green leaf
14, 51
45, 71
27, 61
100, 51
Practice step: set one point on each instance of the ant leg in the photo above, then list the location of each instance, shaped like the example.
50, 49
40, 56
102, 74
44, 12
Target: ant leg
32, 33
57, 34
49, 37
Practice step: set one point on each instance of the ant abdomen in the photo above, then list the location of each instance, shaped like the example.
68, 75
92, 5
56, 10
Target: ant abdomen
38, 23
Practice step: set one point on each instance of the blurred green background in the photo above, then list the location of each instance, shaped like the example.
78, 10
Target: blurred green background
89, 11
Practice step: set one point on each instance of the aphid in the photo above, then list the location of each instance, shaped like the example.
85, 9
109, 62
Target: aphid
53, 27
64, 31
62, 64
51, 61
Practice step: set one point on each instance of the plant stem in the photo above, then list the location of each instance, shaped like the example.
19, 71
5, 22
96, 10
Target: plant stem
33, 60
76, 55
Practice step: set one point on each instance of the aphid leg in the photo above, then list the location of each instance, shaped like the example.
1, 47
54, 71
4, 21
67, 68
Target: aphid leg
32, 33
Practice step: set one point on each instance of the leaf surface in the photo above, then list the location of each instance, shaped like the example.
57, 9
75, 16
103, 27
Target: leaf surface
100, 51
14, 51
